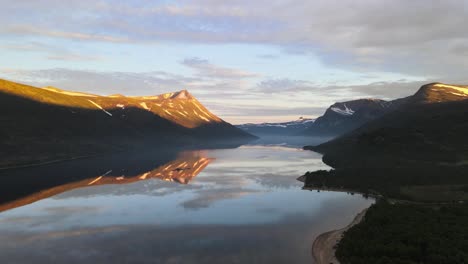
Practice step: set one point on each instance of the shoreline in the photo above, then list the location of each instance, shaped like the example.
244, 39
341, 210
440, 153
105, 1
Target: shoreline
323, 248
37, 164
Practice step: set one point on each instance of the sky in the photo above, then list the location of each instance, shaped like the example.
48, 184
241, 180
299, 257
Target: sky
247, 61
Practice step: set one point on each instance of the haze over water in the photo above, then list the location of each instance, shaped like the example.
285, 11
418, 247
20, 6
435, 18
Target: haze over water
244, 206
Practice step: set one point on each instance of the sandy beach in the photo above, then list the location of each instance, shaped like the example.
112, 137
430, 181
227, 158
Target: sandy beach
323, 248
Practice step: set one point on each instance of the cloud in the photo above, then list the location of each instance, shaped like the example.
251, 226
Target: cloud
205, 69
217, 94
128, 83
234, 100
388, 90
424, 37
73, 57
51, 52
205, 198
285, 84
31, 30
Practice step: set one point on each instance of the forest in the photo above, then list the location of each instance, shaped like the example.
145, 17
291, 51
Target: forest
447, 184
406, 234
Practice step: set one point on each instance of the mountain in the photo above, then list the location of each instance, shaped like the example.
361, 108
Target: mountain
282, 129
439, 92
113, 169
46, 124
343, 117
429, 129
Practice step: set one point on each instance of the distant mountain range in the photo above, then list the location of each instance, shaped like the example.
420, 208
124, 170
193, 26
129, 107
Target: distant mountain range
343, 117
337, 120
426, 129
280, 129
47, 124
346, 116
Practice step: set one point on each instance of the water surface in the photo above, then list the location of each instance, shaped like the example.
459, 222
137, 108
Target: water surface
239, 205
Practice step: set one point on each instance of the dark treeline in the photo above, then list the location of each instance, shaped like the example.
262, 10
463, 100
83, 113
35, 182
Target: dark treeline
392, 182
407, 234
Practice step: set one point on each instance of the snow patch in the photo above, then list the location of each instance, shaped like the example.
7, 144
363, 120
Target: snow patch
96, 180
98, 106
167, 112
142, 177
204, 118
181, 113
205, 113
145, 106
347, 111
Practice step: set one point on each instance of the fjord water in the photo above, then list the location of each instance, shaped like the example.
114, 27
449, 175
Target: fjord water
240, 205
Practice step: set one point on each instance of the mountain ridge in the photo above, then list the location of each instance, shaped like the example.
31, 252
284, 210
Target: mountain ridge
277, 128
429, 127
40, 124
180, 107
342, 117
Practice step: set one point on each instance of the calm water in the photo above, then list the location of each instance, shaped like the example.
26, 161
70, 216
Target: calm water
239, 205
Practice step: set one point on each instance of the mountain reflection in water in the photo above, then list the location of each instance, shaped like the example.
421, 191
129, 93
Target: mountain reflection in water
183, 169
245, 207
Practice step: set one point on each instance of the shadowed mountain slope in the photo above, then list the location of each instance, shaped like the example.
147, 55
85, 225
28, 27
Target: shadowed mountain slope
430, 129
343, 117
47, 124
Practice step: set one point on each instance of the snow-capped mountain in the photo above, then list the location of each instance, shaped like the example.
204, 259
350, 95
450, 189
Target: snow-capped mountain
40, 124
282, 128
429, 126
342, 117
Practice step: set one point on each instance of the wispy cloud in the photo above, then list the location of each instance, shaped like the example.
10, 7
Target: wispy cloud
205, 69
426, 40
421, 39
285, 85
31, 30
357, 31
234, 100
51, 52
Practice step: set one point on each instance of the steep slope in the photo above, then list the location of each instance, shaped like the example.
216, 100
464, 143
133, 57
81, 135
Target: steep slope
45, 124
283, 128
346, 116
429, 129
180, 107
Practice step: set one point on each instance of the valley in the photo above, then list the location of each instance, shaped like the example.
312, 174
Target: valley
234, 132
